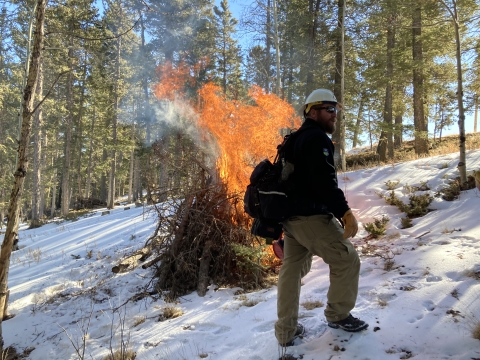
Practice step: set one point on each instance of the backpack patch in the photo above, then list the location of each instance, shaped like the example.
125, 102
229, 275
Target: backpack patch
268, 195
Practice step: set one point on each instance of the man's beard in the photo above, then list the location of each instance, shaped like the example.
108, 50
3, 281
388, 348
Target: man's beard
329, 127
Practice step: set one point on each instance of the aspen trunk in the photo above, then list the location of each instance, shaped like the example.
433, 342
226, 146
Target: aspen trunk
21, 171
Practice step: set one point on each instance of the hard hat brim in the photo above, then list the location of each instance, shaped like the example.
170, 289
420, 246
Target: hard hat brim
307, 107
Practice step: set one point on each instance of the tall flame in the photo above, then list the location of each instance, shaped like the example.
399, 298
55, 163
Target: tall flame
245, 133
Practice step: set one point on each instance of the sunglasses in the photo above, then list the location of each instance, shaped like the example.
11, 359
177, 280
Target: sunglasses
329, 109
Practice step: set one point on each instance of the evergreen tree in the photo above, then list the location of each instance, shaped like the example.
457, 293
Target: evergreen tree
227, 53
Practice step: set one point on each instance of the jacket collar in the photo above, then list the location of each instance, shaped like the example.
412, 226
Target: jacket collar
310, 123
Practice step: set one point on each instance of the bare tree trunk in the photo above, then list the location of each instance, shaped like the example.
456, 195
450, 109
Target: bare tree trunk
21, 171
370, 132
277, 50
65, 208
356, 131
90, 158
135, 196
382, 147
388, 114
37, 153
79, 144
289, 81
43, 188
419, 120
313, 8
147, 109
53, 205
386, 137
476, 115
398, 137
103, 178
340, 133
132, 163
268, 45
113, 158
462, 164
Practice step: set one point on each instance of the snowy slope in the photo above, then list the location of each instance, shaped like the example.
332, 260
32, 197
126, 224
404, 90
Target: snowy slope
423, 308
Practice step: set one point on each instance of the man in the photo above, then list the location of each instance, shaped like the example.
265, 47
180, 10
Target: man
314, 229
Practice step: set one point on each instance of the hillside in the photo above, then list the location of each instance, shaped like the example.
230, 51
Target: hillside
367, 157
419, 286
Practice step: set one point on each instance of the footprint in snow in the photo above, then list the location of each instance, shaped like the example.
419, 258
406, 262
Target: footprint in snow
387, 297
429, 305
454, 275
416, 318
441, 242
265, 327
213, 328
407, 278
434, 278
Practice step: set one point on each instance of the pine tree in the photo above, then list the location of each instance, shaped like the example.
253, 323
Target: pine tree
227, 53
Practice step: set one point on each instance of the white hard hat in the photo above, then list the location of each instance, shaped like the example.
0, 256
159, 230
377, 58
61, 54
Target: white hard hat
318, 97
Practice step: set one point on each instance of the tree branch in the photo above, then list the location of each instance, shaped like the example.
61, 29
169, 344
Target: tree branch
49, 91
101, 38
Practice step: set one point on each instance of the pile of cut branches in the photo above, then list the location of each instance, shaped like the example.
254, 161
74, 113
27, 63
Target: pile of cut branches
200, 240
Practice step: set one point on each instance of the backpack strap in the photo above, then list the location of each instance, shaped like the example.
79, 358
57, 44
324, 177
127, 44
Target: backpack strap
287, 145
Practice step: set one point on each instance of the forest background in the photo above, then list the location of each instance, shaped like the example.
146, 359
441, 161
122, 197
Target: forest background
126, 85
158, 101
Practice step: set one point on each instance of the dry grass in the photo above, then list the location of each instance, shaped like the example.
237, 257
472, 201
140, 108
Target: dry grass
455, 294
170, 312
121, 355
247, 301
35, 255
312, 304
388, 264
448, 145
10, 353
382, 302
476, 330
473, 272
393, 236
138, 320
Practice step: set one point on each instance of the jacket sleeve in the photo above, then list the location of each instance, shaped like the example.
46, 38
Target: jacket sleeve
322, 175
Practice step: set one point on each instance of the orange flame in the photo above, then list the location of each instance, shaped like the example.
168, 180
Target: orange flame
245, 133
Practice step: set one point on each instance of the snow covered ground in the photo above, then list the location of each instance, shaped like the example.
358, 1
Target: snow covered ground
62, 286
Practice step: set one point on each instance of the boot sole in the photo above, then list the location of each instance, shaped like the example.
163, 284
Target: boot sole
336, 326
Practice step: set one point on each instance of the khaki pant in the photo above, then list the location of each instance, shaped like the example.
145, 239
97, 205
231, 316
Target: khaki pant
315, 235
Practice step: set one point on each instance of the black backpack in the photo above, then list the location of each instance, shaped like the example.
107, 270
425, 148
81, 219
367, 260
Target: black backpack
268, 198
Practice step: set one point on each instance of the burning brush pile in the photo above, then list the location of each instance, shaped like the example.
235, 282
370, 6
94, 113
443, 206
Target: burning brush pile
203, 235
200, 240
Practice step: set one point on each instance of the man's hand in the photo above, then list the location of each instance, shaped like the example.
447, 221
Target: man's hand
351, 224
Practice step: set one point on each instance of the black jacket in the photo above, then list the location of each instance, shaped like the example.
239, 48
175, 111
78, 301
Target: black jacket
315, 177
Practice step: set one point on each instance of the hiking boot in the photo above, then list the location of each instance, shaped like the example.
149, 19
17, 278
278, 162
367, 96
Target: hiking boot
351, 324
299, 333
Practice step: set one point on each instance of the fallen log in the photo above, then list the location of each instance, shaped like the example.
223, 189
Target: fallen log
132, 260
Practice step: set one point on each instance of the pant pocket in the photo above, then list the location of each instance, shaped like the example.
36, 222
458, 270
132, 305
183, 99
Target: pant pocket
343, 249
